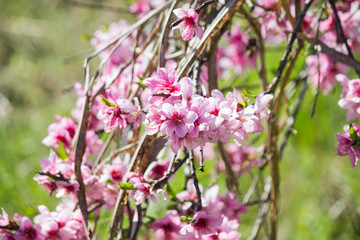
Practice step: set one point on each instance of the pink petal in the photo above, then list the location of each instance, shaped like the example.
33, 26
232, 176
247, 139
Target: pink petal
180, 13
168, 109
187, 33
181, 130
190, 117
167, 127
199, 31
193, 14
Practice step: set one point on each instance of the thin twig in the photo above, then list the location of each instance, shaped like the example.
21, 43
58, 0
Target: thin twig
113, 155
340, 32
284, 59
80, 137
232, 181
165, 34
137, 221
264, 207
163, 180
98, 7
201, 166
140, 154
222, 19
103, 149
195, 181
59, 177
293, 118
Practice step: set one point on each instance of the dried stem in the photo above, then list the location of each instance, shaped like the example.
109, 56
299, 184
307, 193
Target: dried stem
232, 181
165, 34
136, 223
196, 182
264, 207
293, 118
98, 7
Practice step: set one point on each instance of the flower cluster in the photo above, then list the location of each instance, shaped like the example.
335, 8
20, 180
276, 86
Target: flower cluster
143, 189
64, 223
219, 219
191, 120
349, 143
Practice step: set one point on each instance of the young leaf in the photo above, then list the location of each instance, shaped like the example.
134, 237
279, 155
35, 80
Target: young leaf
171, 193
353, 134
126, 186
107, 102
61, 152
187, 218
140, 83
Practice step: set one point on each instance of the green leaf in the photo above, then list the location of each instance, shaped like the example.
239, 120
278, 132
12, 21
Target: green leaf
61, 152
247, 94
107, 102
126, 186
171, 193
187, 218
353, 134
141, 84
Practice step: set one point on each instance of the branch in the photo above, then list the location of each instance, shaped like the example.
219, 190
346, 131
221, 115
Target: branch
79, 152
55, 177
140, 154
165, 34
162, 181
340, 32
335, 55
137, 221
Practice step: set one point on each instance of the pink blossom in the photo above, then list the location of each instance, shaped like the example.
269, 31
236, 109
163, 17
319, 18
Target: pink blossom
232, 207
202, 224
328, 71
349, 146
178, 116
61, 224
114, 172
63, 130
144, 189
188, 23
158, 169
168, 227
350, 97
236, 56
27, 231
241, 158
188, 197
142, 7
4, 218
165, 82
121, 114
261, 103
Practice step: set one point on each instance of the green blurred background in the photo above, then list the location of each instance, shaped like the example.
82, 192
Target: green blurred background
320, 193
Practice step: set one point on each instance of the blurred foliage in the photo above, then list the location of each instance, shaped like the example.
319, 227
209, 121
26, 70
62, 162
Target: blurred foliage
320, 195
